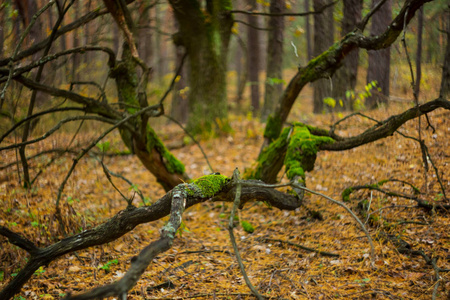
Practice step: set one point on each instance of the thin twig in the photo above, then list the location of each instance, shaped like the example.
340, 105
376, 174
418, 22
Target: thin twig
193, 139
372, 247
324, 253
302, 14
237, 200
22, 38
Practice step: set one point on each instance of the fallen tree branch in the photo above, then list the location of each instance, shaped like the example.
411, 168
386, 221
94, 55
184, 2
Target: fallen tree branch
323, 253
126, 220
139, 263
328, 62
236, 203
376, 187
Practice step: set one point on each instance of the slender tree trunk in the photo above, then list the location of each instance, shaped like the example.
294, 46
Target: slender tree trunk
308, 32
115, 37
274, 73
323, 38
180, 105
254, 50
2, 31
380, 60
158, 53
419, 53
345, 78
76, 43
145, 34
445, 83
86, 34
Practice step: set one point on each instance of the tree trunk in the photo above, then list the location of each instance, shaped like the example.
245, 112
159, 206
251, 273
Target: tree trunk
76, 43
379, 60
253, 62
168, 171
419, 53
345, 78
274, 73
206, 42
180, 105
144, 33
323, 38
445, 83
308, 32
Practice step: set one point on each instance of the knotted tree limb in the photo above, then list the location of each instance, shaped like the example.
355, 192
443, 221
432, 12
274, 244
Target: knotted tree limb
310, 140
214, 187
328, 62
140, 263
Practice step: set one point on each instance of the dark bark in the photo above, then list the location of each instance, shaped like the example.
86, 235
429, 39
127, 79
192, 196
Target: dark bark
445, 81
308, 32
254, 53
345, 78
419, 53
127, 220
274, 71
145, 44
323, 38
39, 45
380, 60
76, 43
207, 46
328, 62
2, 31
272, 159
180, 104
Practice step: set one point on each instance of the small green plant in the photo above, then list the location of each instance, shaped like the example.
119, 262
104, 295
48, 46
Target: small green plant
247, 227
182, 228
39, 271
273, 81
107, 266
358, 99
104, 146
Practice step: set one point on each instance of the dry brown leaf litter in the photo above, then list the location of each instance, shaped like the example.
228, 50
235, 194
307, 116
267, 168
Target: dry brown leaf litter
201, 263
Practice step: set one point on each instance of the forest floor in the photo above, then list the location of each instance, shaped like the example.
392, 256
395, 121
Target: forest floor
201, 263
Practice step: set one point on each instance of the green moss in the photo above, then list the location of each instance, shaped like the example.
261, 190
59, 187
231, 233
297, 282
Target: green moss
208, 185
273, 127
302, 151
346, 194
172, 164
247, 227
268, 156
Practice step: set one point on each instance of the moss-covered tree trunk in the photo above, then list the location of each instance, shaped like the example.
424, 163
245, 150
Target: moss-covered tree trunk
272, 155
205, 34
143, 140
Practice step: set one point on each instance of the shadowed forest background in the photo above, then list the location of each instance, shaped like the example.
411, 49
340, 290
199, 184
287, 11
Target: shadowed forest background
224, 149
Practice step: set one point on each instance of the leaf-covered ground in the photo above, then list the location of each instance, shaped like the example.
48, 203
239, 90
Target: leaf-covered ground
201, 263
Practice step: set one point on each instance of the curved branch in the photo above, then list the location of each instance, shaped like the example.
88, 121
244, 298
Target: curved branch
328, 62
18, 124
18, 240
302, 14
126, 220
385, 128
48, 58
92, 106
55, 128
63, 30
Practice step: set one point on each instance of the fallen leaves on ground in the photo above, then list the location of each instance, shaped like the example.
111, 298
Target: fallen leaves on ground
201, 263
